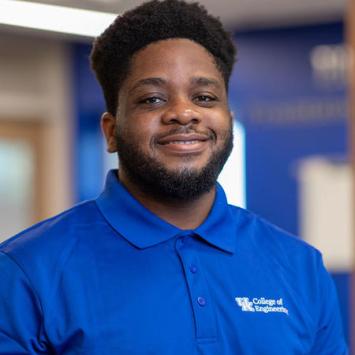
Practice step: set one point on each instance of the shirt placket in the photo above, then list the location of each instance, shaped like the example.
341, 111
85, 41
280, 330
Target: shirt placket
200, 298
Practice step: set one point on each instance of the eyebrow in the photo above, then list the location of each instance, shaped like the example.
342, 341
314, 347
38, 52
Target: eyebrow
156, 81
148, 82
204, 81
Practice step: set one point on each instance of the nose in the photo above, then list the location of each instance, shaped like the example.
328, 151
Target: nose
181, 112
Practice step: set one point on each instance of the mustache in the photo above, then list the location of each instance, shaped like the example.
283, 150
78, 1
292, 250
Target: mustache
185, 130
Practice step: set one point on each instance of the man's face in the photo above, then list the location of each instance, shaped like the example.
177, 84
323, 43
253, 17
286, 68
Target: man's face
173, 128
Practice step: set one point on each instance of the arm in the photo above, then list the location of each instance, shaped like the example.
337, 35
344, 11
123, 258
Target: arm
329, 339
20, 312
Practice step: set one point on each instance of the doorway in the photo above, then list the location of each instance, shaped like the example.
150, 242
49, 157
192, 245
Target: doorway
21, 175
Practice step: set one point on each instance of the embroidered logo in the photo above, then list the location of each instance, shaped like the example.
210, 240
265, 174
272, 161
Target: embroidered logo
245, 304
262, 305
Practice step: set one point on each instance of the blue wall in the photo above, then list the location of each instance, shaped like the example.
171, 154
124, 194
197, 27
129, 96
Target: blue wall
89, 106
272, 84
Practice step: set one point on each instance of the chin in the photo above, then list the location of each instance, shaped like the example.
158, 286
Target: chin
186, 162
185, 168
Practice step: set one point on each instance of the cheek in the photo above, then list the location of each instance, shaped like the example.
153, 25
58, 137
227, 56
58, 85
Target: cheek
142, 128
221, 122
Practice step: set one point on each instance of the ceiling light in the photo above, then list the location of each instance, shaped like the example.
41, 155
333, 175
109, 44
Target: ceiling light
54, 18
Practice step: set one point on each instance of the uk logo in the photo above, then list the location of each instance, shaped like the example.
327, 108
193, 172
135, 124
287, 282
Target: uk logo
261, 305
245, 304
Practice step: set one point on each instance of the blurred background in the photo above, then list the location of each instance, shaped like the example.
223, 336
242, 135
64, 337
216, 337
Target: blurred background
290, 94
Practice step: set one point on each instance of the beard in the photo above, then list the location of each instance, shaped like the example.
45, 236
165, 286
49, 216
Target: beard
154, 179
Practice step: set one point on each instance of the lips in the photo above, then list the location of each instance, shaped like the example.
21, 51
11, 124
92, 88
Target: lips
183, 139
184, 143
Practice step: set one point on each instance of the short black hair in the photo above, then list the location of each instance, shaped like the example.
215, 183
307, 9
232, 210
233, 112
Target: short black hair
150, 22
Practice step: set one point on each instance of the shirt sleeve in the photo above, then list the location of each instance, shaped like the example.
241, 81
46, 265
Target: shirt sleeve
329, 338
20, 312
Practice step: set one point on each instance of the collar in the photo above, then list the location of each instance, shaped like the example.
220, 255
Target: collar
144, 229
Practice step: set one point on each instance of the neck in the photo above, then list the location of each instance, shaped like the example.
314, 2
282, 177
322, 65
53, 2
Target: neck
182, 214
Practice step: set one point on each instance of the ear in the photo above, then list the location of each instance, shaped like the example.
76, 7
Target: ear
232, 115
108, 126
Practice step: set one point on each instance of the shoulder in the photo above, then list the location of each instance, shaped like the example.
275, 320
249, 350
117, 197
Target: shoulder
294, 263
46, 245
291, 264
51, 228
272, 242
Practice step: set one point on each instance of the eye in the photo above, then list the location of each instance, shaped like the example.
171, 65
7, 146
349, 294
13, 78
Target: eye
152, 100
206, 100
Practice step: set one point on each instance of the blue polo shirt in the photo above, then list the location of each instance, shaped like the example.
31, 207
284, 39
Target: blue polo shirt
110, 277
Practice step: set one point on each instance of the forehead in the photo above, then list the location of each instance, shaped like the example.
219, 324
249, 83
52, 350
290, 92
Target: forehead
173, 59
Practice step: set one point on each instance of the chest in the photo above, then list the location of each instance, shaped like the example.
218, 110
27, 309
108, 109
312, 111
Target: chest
185, 302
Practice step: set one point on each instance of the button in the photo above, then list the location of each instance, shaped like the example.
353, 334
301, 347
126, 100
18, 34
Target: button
193, 269
201, 301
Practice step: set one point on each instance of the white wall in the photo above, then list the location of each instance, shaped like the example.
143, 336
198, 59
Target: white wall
326, 210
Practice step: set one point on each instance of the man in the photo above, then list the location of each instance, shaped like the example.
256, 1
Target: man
160, 263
